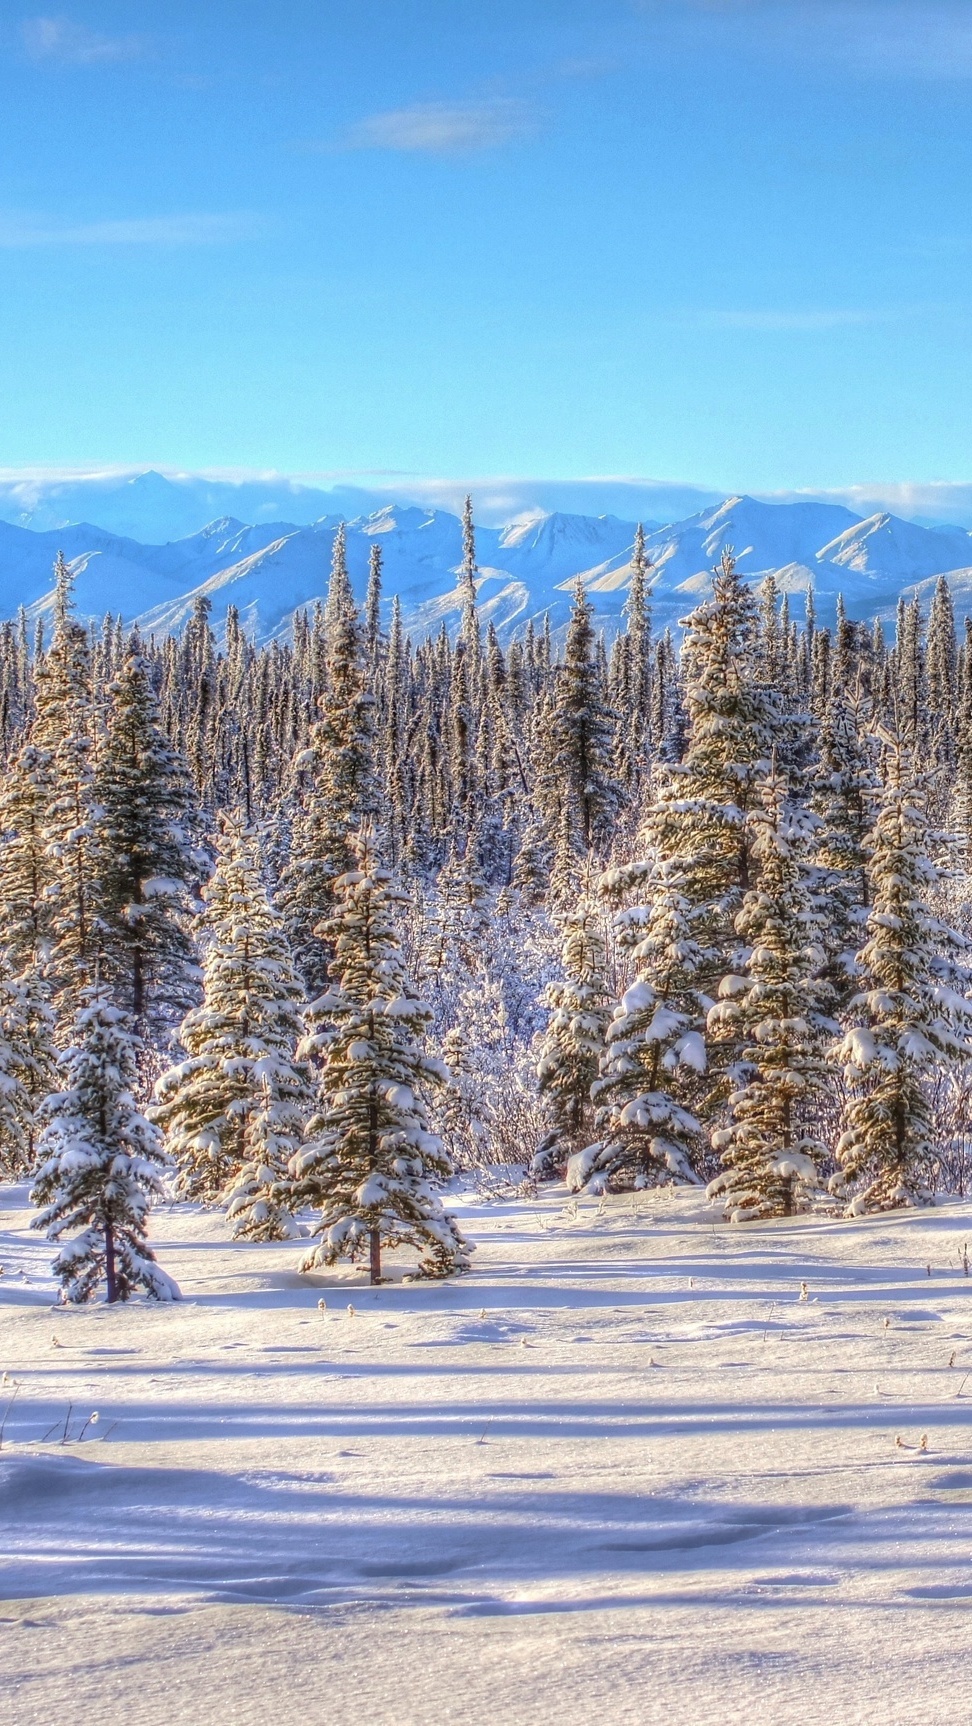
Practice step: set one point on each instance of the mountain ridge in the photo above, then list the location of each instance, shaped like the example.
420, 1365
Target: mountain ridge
528, 565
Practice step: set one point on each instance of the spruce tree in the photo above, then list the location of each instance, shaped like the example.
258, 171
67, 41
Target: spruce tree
941, 661
143, 858
372, 1163
469, 632
102, 1165
235, 1105
25, 865
633, 703
372, 610
572, 1044
583, 799
679, 901
912, 1016
774, 1008
699, 815
62, 734
27, 1068
655, 1057
843, 793
333, 782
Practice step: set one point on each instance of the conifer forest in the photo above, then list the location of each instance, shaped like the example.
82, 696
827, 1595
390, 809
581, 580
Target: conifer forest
303, 932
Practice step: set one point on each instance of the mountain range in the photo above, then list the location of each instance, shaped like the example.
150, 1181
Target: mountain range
270, 569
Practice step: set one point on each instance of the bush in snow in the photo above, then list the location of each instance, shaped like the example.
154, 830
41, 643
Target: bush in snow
371, 1163
101, 1167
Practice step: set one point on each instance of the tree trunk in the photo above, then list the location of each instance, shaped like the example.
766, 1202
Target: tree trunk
111, 1289
375, 1256
138, 989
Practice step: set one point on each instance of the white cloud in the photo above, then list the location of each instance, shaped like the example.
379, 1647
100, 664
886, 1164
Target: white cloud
63, 42
443, 128
20, 233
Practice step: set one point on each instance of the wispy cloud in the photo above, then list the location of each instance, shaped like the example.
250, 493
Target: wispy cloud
868, 38
19, 233
444, 128
63, 42
771, 319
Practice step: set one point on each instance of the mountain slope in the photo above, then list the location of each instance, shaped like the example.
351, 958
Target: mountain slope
527, 567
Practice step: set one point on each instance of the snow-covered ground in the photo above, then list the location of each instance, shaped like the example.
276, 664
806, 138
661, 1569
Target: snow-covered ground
638, 1467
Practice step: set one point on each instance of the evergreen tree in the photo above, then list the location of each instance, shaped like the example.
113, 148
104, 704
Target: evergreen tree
372, 613
234, 1106
962, 780
912, 1016
143, 858
583, 797
469, 633
372, 1163
941, 661
700, 813
27, 1064
25, 865
775, 1007
333, 784
843, 793
654, 1057
101, 1165
63, 739
633, 703
572, 1045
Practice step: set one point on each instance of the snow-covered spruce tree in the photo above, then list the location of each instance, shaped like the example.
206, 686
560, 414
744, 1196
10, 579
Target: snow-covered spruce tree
372, 610
62, 733
774, 1008
582, 798
699, 817
941, 666
232, 1112
143, 859
101, 1165
333, 781
845, 786
633, 703
678, 901
654, 1056
25, 866
371, 1163
572, 1045
27, 1068
912, 1015
469, 631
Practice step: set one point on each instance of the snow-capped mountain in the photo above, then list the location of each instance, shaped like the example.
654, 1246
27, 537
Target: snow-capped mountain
527, 567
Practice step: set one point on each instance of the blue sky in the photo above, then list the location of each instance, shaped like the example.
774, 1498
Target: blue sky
728, 243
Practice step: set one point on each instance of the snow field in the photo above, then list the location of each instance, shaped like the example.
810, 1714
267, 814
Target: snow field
639, 1465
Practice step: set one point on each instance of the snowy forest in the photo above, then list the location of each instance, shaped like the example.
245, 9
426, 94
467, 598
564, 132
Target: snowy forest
302, 931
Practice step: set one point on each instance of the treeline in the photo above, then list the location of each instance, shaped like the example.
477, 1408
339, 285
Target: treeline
317, 920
